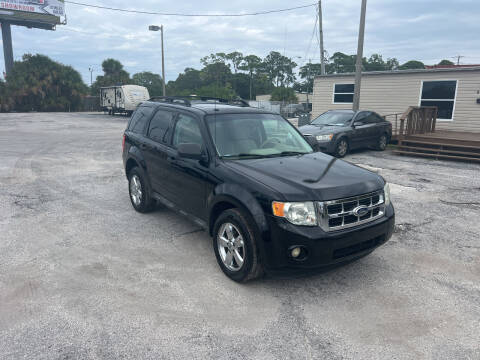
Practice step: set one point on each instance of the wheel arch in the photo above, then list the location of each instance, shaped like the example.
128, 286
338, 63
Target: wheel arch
234, 196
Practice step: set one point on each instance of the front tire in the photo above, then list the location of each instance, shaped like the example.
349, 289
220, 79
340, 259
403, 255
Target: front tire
341, 149
235, 246
139, 192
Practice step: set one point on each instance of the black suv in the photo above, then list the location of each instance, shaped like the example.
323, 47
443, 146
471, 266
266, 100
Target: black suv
338, 131
255, 184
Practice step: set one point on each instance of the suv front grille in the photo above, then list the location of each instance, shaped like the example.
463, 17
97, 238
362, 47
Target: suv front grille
349, 212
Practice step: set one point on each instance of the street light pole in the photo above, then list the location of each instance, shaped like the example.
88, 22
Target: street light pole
91, 75
160, 28
358, 65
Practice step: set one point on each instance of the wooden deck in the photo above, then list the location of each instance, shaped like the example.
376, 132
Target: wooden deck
442, 144
455, 137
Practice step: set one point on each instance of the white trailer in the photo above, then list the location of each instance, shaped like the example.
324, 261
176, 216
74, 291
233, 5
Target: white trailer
122, 99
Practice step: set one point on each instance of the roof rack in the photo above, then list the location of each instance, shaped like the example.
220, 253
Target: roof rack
180, 100
187, 100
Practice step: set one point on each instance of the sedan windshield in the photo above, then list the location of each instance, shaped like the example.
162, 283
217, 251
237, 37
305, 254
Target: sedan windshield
255, 135
334, 118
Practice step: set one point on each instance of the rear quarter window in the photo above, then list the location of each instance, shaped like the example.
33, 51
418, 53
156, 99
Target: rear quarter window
139, 119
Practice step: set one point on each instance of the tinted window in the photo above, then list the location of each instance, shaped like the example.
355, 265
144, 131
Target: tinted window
187, 131
373, 118
362, 117
439, 90
440, 94
333, 118
344, 88
160, 125
343, 93
139, 119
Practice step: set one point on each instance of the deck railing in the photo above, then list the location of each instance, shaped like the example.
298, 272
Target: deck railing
418, 120
393, 118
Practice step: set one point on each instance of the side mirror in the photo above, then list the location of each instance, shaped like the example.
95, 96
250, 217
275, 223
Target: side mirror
190, 151
358, 123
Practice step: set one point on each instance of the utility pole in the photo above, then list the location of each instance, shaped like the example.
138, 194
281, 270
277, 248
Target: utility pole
320, 29
7, 46
358, 65
458, 57
160, 28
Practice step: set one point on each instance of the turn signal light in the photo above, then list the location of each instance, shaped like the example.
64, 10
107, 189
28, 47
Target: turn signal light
278, 208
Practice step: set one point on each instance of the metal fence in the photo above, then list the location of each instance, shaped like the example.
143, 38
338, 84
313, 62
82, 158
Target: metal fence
286, 109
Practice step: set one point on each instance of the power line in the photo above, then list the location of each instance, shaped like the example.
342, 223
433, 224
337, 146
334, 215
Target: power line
311, 39
189, 15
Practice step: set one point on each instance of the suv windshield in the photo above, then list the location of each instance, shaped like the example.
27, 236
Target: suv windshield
255, 135
333, 118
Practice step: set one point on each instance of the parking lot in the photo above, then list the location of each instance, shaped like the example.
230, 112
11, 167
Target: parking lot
82, 275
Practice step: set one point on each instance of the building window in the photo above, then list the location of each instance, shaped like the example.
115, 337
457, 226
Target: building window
343, 93
440, 94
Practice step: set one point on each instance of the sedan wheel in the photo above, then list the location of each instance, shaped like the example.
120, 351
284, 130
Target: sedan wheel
231, 247
342, 148
382, 142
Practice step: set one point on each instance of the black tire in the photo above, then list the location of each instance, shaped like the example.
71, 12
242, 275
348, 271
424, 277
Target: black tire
243, 224
382, 142
341, 148
146, 203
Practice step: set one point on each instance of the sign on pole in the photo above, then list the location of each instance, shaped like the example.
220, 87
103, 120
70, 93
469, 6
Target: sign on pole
44, 14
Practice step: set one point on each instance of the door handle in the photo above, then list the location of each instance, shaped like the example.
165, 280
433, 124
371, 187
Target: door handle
143, 146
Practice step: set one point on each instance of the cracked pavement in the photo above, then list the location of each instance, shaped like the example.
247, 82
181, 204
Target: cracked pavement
83, 276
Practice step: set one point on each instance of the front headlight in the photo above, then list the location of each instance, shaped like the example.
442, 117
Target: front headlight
324, 137
298, 213
386, 191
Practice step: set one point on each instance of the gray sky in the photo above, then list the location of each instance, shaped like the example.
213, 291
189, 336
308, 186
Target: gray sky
425, 30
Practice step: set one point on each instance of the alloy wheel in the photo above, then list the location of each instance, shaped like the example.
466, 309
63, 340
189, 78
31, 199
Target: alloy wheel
342, 148
231, 247
382, 142
136, 190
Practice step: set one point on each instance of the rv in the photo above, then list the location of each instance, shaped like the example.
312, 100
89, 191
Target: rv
122, 99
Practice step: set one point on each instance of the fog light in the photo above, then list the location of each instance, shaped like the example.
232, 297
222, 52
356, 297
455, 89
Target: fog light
296, 252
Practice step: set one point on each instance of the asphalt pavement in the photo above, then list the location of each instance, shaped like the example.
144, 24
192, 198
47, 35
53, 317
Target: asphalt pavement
83, 276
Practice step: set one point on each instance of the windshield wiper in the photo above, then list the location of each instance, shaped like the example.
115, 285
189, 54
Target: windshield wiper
242, 155
288, 153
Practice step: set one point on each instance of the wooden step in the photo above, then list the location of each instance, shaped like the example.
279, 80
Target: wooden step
436, 150
443, 141
441, 156
439, 144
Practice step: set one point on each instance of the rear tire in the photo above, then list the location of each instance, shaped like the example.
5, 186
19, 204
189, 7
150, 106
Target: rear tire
341, 149
235, 246
382, 142
139, 191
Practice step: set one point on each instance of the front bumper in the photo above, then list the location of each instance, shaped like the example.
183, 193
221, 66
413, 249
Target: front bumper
323, 249
326, 146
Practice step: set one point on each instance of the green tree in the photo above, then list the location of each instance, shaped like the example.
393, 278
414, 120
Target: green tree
153, 82
446, 62
251, 64
236, 58
41, 84
341, 63
307, 73
412, 64
113, 74
284, 94
279, 69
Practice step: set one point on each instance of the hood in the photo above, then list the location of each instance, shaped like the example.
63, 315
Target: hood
320, 129
315, 176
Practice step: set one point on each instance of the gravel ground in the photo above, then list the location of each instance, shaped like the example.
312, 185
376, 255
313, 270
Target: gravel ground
82, 275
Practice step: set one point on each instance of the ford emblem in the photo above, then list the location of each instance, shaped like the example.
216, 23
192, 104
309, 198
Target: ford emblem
360, 211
